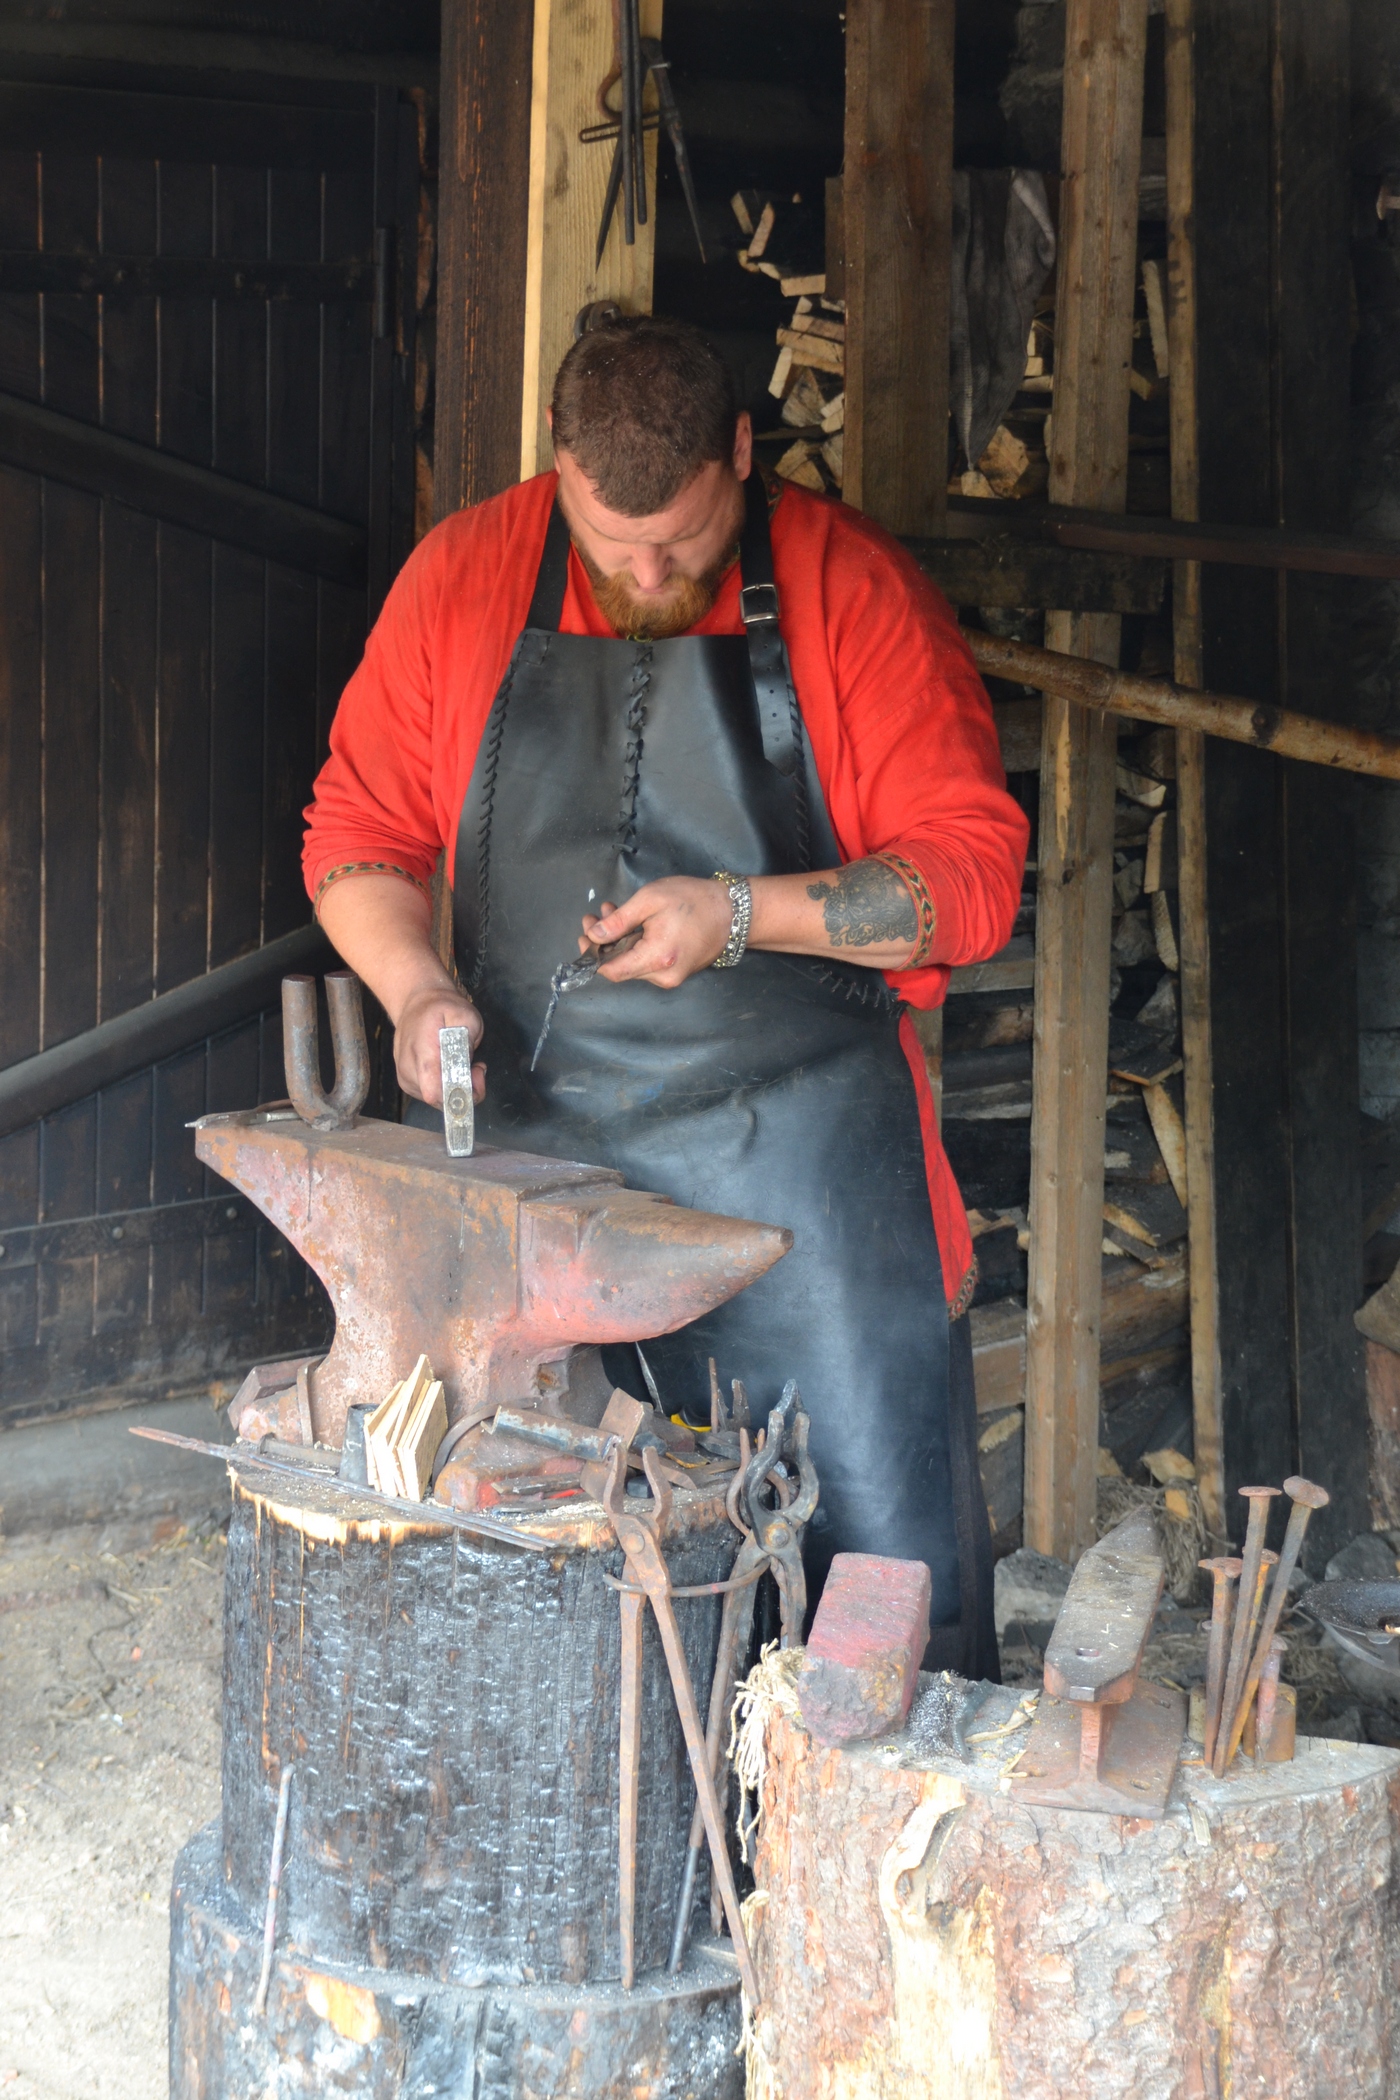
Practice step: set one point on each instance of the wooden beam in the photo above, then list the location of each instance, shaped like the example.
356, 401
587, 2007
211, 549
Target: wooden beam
1010, 571
573, 54
1318, 742
483, 185
82, 456
897, 231
1193, 932
1105, 49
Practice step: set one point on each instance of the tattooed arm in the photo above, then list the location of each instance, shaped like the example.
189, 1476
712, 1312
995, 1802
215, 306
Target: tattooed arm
871, 912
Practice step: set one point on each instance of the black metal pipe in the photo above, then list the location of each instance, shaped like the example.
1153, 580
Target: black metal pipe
162, 1027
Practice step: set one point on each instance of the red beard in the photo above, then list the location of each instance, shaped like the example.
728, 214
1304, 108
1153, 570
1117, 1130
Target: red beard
661, 614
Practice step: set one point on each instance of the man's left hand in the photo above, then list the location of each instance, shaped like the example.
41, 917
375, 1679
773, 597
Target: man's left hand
686, 921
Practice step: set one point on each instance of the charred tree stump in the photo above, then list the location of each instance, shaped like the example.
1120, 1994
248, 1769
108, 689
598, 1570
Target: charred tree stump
919, 1933
449, 1891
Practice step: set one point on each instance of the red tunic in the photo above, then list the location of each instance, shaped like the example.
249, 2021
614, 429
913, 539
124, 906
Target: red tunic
900, 724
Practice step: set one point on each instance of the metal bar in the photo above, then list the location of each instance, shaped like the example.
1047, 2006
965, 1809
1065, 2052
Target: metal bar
40, 117
629, 1758
1306, 1496
155, 1225
185, 277
1226, 715
63, 448
1175, 539
161, 1027
255, 1461
1251, 1591
274, 1885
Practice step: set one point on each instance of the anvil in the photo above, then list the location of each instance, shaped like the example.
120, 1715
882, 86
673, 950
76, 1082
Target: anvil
495, 1267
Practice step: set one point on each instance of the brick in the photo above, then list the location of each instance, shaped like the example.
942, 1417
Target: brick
868, 1639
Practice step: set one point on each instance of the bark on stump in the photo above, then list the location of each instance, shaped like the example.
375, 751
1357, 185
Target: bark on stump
918, 1932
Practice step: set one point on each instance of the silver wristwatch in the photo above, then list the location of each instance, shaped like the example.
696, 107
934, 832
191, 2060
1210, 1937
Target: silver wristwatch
741, 902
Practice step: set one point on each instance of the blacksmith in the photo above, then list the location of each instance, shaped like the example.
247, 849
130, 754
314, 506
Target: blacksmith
645, 691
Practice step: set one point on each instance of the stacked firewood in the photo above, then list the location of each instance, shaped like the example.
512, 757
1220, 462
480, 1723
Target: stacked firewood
809, 376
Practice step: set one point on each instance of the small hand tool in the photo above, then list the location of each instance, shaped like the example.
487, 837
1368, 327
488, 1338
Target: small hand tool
582, 970
779, 1530
639, 1538
1225, 1572
1246, 1616
736, 1626
458, 1108
636, 57
659, 67
1266, 1708
1306, 1496
1231, 1709
1102, 1739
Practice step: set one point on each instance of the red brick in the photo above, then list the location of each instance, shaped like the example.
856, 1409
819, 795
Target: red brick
867, 1642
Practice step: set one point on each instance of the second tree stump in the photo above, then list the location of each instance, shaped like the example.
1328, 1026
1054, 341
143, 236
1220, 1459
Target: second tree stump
921, 1934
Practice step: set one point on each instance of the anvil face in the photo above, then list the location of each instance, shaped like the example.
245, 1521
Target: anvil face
492, 1266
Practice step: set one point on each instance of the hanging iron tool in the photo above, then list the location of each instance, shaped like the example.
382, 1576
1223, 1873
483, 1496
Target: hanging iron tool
639, 1537
638, 56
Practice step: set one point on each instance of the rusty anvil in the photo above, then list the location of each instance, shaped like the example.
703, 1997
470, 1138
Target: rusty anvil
495, 1266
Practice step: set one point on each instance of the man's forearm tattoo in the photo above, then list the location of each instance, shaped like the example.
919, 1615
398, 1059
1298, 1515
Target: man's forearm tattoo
867, 903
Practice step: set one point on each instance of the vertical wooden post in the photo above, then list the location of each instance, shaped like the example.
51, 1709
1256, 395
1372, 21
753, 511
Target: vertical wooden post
1105, 48
573, 54
897, 204
1194, 932
483, 179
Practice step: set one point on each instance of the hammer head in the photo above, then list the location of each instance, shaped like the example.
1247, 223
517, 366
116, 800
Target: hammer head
494, 1266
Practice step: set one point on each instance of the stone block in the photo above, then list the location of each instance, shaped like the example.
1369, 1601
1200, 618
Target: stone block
868, 1639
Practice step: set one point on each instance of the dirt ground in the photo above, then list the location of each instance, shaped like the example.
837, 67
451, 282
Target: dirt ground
110, 1669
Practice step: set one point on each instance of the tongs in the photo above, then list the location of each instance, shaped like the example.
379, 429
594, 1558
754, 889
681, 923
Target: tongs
582, 970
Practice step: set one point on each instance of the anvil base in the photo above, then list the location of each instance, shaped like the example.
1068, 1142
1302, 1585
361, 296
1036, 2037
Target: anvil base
388, 2036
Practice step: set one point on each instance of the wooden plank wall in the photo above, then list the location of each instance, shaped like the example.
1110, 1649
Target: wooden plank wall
483, 216
1271, 83
896, 207
166, 701
1193, 934
1105, 48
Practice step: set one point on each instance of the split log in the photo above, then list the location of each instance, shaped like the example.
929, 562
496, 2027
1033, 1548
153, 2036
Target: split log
920, 1934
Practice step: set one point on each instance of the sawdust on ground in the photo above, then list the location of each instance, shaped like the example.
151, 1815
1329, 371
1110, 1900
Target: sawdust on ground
110, 1672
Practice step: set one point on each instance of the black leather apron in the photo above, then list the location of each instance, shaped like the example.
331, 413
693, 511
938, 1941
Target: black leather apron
777, 1090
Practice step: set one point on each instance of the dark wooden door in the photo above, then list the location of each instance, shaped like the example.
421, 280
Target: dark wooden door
217, 282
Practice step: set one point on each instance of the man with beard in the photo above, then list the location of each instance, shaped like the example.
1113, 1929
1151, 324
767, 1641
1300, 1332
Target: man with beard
640, 692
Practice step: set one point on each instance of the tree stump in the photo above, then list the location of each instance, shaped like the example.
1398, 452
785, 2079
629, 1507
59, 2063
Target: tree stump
449, 1707
918, 1932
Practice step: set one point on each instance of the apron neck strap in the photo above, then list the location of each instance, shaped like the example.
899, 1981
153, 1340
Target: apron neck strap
552, 576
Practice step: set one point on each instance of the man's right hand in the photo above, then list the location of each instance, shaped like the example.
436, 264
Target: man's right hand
381, 924
417, 1051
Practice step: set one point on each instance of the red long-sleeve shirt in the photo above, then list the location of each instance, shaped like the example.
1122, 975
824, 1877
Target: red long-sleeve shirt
900, 725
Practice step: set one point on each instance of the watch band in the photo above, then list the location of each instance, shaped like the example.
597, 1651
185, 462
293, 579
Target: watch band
741, 905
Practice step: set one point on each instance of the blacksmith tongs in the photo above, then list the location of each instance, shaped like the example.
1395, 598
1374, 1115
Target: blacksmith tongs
639, 1538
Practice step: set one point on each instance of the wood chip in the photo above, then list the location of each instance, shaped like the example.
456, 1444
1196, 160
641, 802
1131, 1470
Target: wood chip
1170, 1133
798, 464
791, 287
806, 323
781, 372
758, 240
815, 350
1157, 317
1163, 931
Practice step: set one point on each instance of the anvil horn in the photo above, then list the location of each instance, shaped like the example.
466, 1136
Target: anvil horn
492, 1266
